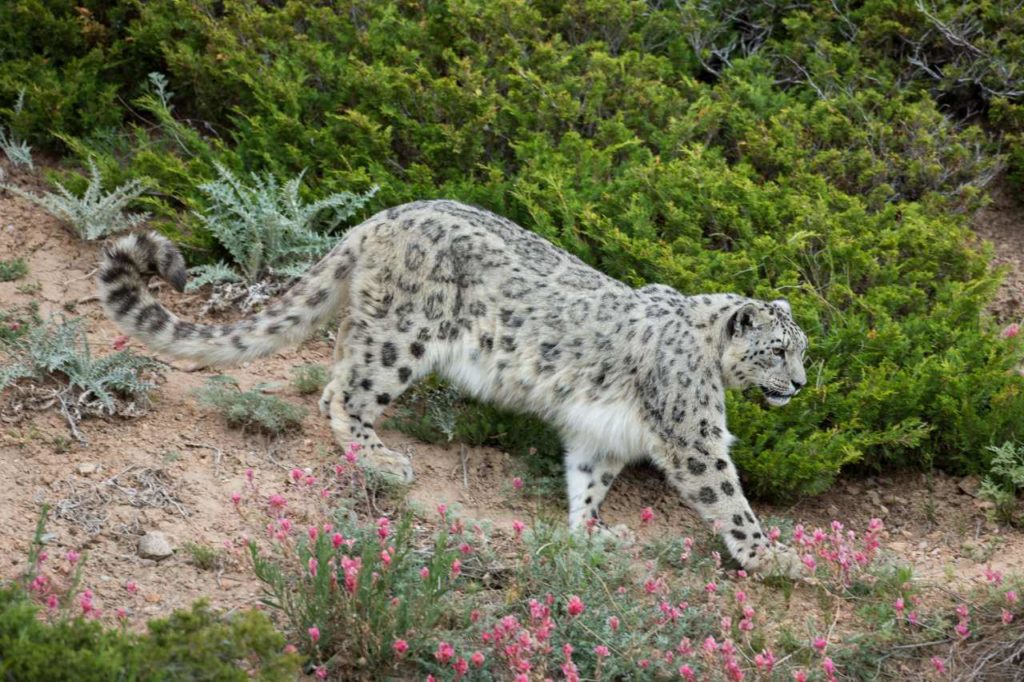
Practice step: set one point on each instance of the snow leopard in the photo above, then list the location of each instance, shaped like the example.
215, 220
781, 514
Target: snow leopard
623, 373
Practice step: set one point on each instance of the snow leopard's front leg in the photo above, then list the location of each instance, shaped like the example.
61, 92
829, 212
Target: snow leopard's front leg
707, 480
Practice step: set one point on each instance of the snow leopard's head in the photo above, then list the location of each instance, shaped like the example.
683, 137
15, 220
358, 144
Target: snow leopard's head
765, 348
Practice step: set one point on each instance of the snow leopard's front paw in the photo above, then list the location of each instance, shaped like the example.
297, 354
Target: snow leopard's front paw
777, 560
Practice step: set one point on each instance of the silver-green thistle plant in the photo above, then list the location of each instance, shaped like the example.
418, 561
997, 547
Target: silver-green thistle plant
95, 214
267, 228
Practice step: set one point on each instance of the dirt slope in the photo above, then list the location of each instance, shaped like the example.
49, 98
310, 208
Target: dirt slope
176, 467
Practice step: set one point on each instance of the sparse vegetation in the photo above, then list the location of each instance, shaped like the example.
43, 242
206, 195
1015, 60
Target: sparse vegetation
308, 379
51, 364
13, 269
250, 409
1005, 481
204, 557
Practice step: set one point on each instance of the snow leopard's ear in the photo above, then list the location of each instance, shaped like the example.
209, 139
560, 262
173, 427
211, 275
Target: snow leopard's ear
783, 305
742, 320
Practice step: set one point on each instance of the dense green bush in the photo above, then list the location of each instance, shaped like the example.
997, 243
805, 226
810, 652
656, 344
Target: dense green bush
193, 645
826, 153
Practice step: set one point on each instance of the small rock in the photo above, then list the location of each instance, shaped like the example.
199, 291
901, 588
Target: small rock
87, 468
154, 545
969, 485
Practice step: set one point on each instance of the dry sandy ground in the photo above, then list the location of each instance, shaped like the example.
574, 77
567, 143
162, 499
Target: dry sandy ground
197, 461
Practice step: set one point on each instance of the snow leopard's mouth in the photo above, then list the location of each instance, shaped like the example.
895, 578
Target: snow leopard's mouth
776, 399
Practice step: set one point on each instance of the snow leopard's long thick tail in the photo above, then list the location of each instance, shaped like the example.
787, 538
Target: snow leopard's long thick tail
130, 261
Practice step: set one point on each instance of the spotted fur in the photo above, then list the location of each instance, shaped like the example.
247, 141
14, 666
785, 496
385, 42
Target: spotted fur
438, 286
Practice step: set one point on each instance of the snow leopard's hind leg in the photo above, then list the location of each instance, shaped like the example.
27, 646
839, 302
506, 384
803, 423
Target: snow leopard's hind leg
588, 478
372, 374
333, 383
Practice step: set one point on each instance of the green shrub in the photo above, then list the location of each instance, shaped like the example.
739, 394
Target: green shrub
309, 378
250, 409
13, 269
196, 644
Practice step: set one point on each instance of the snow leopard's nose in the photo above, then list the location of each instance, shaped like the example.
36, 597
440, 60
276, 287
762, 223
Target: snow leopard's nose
797, 385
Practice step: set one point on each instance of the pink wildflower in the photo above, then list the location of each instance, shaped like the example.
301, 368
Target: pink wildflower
799, 676
352, 452
575, 606
1010, 331
297, 474
1011, 597
131, 586
320, 672
477, 658
277, 502
686, 672
400, 646
518, 527
962, 630
774, 533
939, 664
424, 572
765, 660
602, 651
313, 565
314, 634
1007, 617
517, 483
461, 666
613, 623
456, 568
121, 341
820, 643
646, 515
445, 652
73, 556
236, 497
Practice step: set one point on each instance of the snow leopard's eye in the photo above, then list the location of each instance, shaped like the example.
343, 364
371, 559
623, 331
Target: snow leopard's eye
779, 352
